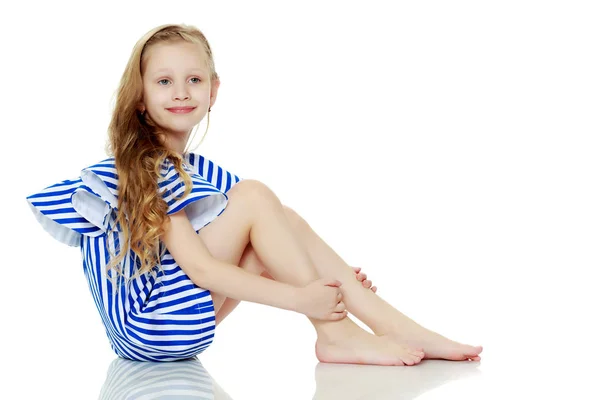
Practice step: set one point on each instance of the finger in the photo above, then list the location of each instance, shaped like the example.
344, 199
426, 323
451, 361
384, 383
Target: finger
356, 269
361, 276
374, 289
367, 283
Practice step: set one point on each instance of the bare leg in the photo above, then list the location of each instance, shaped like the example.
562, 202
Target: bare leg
252, 264
401, 329
380, 316
255, 212
249, 263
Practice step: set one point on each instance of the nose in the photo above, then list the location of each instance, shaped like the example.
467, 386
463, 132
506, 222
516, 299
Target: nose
181, 93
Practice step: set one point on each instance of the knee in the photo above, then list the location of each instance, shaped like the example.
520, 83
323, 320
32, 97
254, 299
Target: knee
254, 192
251, 190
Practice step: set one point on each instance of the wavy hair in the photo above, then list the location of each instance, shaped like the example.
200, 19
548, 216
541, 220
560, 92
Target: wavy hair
137, 144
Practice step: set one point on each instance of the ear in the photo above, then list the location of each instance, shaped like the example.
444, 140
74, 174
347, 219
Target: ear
214, 89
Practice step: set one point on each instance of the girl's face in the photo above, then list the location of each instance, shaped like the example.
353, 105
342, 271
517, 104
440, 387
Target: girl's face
176, 75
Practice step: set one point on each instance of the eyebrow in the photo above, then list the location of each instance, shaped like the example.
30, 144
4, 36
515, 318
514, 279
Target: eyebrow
170, 70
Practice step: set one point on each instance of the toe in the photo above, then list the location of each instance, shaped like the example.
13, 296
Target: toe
418, 353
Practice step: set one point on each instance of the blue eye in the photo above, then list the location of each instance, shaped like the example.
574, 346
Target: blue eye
167, 80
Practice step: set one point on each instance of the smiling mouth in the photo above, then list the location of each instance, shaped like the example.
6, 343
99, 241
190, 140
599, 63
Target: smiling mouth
181, 110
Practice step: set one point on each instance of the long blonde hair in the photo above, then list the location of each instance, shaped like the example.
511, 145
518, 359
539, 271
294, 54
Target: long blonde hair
137, 145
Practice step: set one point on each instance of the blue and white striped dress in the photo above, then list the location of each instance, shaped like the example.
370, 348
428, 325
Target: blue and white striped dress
156, 316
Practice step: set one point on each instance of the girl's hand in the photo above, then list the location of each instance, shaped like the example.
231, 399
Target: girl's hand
321, 299
363, 278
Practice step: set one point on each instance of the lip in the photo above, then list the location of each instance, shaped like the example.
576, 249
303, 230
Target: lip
181, 110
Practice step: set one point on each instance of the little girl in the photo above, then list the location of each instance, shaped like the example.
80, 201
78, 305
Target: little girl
199, 239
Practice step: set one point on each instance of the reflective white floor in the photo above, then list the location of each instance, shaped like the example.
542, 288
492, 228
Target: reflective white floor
246, 364
134, 380
432, 379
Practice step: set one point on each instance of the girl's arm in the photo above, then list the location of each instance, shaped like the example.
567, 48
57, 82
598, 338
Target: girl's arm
194, 258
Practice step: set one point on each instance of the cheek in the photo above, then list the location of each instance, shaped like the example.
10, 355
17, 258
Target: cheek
154, 99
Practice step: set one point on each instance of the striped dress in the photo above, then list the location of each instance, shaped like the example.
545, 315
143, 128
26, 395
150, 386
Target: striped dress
161, 315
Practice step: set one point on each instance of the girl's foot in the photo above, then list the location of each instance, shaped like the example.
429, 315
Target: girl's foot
434, 345
415, 336
353, 345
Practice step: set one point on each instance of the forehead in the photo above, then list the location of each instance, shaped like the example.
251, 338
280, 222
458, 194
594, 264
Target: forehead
173, 57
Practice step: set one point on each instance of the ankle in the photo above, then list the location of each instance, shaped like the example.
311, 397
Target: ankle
330, 331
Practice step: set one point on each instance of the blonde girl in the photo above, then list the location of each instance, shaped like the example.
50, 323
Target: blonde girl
171, 242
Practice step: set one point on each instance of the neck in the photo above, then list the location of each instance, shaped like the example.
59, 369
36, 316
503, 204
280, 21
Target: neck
177, 142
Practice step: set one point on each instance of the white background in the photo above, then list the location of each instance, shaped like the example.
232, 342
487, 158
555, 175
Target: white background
450, 149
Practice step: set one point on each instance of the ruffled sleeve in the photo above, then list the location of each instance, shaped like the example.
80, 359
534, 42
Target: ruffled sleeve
87, 205
202, 205
209, 170
69, 209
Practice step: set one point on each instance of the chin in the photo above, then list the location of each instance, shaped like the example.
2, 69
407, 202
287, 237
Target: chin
181, 131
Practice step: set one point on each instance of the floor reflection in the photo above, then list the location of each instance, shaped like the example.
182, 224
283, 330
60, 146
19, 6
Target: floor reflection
353, 382
131, 380
135, 380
